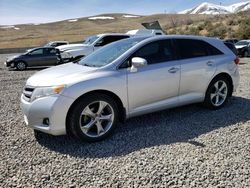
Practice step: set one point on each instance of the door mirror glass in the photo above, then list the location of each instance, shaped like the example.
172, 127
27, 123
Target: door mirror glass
137, 62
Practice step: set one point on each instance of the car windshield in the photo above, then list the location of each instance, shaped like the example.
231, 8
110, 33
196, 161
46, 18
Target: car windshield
48, 44
109, 53
91, 40
242, 43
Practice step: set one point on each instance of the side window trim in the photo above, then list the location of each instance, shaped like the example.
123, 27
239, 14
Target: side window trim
207, 50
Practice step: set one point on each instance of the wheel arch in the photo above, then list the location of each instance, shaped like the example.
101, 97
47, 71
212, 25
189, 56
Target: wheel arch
21, 60
121, 108
228, 77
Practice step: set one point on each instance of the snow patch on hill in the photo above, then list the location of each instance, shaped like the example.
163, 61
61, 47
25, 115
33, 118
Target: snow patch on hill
101, 18
9, 27
73, 20
130, 16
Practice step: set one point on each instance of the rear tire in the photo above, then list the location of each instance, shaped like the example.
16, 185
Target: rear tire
93, 118
217, 93
20, 65
246, 54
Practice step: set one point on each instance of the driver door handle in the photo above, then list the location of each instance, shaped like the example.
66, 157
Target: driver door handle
173, 70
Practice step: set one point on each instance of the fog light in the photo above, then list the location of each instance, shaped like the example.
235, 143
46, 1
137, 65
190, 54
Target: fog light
46, 121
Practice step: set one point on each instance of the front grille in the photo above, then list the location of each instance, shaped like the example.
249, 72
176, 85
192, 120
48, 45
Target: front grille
27, 92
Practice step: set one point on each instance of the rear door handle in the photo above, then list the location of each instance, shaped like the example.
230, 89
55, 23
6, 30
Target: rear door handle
173, 70
210, 63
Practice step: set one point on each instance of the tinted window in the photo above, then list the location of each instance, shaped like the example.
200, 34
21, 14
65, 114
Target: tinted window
50, 51
231, 47
189, 48
37, 52
156, 52
109, 39
61, 43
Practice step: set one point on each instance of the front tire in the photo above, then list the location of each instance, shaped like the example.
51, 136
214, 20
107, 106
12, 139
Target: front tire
20, 65
93, 118
217, 93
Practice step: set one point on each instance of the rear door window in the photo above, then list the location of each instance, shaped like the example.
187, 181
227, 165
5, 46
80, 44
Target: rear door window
190, 48
50, 51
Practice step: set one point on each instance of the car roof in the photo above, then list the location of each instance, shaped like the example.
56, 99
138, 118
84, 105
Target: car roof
58, 41
113, 34
42, 48
161, 37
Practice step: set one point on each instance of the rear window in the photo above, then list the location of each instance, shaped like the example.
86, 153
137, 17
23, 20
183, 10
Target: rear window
231, 47
190, 48
109, 39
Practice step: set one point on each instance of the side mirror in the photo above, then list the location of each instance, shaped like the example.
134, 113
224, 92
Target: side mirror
138, 62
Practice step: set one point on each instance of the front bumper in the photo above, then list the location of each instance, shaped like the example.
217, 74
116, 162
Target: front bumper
54, 108
9, 64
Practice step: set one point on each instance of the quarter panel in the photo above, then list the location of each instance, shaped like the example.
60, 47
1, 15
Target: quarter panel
195, 76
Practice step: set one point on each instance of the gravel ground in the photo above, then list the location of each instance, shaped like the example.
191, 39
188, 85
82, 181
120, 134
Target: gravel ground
183, 147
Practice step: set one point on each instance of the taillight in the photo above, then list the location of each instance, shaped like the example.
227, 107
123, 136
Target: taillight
237, 61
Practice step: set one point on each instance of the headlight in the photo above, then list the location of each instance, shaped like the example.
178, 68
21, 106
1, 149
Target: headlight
46, 91
65, 55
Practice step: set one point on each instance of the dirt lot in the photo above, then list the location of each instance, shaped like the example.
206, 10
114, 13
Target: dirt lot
183, 147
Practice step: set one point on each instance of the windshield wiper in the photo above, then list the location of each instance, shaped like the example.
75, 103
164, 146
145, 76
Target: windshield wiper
87, 65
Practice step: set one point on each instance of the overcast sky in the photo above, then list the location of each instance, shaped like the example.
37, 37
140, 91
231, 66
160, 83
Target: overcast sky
41, 11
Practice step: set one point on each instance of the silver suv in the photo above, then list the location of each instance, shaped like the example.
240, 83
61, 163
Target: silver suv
128, 78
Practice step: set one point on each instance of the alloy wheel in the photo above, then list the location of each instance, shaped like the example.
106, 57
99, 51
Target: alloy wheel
21, 65
96, 119
219, 93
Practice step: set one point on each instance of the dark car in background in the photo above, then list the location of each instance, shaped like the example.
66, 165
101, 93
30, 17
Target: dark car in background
233, 41
44, 56
243, 48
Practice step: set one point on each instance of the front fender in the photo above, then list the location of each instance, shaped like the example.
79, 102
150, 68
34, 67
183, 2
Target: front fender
108, 81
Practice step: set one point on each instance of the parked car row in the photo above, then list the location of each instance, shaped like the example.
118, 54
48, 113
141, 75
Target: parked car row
242, 46
58, 52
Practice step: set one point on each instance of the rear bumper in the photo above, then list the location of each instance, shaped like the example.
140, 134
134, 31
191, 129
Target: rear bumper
53, 108
236, 79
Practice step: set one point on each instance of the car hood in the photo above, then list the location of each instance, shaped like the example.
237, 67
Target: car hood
14, 57
240, 46
59, 75
71, 46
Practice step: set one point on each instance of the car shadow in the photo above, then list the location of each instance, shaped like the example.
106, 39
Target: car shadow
182, 124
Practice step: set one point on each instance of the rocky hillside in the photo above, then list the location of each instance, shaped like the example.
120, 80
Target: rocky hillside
221, 26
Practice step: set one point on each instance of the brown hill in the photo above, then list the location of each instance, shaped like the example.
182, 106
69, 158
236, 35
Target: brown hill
30, 35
